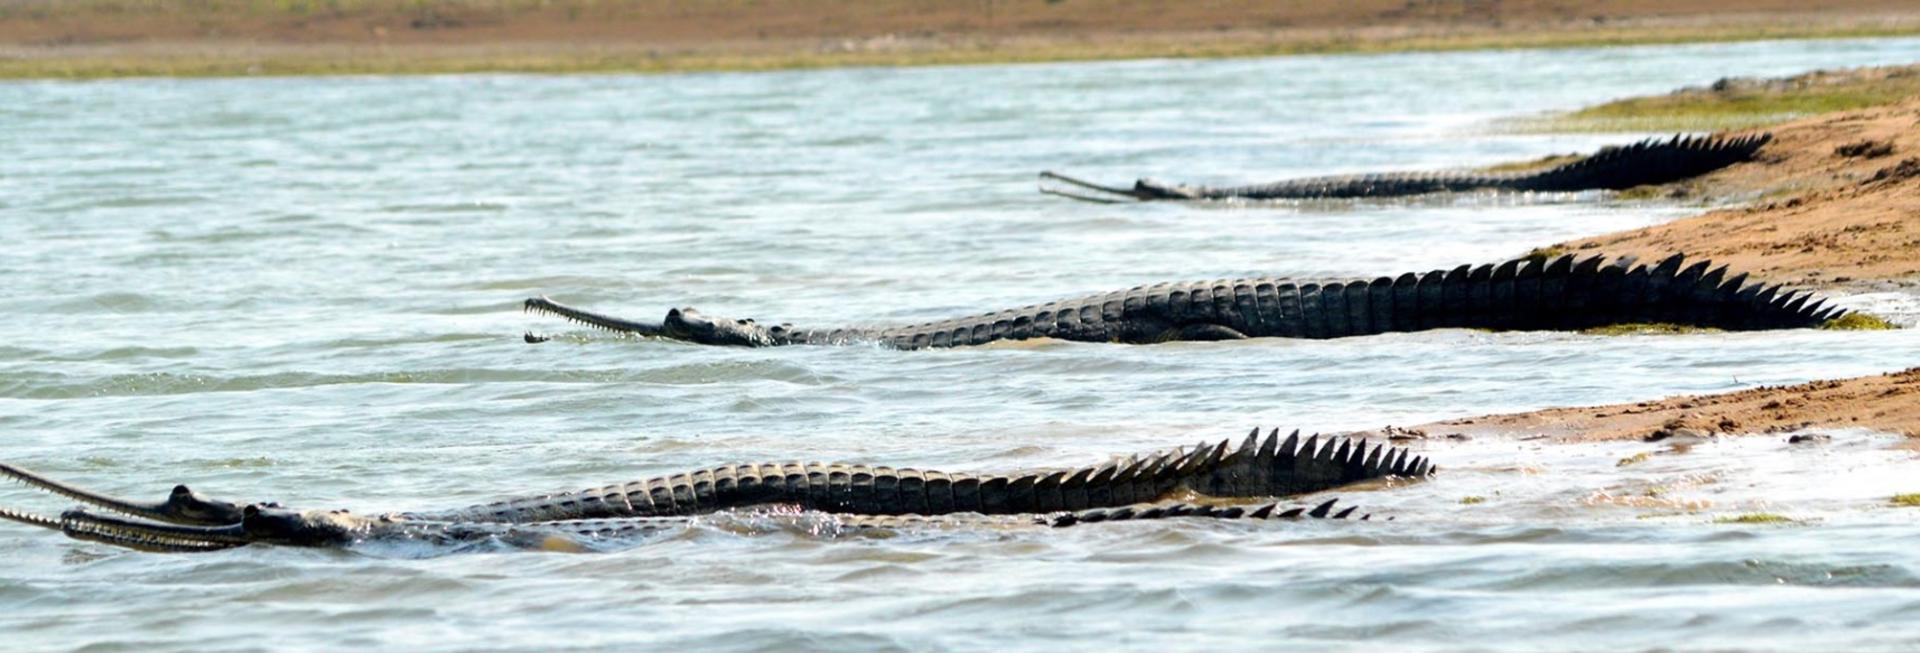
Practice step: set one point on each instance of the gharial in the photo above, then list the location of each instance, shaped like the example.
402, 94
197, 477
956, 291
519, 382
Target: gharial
1612, 168
1521, 294
856, 497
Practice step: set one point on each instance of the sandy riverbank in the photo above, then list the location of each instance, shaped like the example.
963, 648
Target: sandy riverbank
108, 38
1886, 402
1835, 204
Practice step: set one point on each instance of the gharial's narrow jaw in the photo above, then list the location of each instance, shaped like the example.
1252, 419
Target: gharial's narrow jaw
182, 505
593, 319
184, 522
680, 324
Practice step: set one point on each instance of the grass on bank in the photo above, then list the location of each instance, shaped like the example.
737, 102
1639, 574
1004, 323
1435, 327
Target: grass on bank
1738, 103
1645, 328
244, 56
1533, 165
1858, 322
1906, 500
1544, 254
1634, 459
1848, 322
1756, 518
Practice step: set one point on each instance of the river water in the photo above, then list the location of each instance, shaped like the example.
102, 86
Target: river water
306, 290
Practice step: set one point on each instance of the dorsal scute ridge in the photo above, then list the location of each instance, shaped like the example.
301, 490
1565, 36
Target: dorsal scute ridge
1327, 450
1372, 463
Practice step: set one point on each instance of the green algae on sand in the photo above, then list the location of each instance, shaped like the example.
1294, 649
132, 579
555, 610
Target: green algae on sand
1738, 103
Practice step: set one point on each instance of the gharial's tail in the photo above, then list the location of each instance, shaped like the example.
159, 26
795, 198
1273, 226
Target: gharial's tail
1324, 510
1648, 162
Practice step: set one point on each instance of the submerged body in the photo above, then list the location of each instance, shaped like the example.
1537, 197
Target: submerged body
852, 497
1612, 168
1522, 294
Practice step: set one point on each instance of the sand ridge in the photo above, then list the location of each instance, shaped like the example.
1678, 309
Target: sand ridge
1837, 206
1834, 204
1884, 402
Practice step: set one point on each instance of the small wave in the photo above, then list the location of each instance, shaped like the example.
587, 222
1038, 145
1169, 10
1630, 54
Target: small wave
452, 207
123, 353
370, 343
109, 302
220, 236
138, 202
530, 284
60, 386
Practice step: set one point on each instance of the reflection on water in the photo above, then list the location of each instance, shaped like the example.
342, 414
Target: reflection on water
307, 290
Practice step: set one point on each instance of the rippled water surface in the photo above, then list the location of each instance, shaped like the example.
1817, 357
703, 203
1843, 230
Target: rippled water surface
307, 290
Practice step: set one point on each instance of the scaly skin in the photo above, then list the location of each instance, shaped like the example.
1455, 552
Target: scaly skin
1259, 467
1522, 294
340, 529
1612, 168
846, 497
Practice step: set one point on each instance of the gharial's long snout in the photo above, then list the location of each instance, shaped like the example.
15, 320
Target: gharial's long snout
182, 505
184, 522
1136, 192
583, 316
684, 324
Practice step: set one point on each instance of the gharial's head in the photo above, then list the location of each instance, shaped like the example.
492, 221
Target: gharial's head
692, 325
270, 525
185, 521
680, 324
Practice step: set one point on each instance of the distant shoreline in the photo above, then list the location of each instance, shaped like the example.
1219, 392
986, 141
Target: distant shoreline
89, 39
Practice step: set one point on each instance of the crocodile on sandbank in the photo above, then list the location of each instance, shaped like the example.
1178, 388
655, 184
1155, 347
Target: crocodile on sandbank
1612, 168
1526, 294
852, 497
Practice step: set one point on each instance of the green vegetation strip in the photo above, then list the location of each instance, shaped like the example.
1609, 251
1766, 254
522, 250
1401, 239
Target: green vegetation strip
1736, 104
1645, 328
1756, 518
1858, 322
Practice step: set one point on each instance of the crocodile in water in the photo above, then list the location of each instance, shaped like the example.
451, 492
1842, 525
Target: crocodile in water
855, 497
1523, 294
1612, 168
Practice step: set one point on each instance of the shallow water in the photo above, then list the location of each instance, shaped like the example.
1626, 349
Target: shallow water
307, 289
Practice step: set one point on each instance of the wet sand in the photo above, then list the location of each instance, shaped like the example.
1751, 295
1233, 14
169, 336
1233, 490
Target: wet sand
1886, 402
